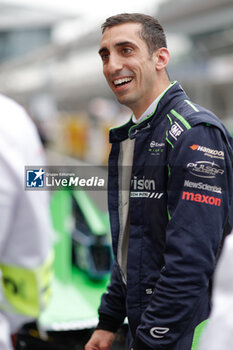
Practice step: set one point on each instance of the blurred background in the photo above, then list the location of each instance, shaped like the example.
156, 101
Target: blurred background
49, 64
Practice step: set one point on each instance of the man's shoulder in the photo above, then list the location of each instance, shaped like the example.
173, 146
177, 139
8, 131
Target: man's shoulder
15, 123
191, 114
186, 115
7, 105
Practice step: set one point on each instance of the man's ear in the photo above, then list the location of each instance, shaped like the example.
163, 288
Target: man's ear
161, 58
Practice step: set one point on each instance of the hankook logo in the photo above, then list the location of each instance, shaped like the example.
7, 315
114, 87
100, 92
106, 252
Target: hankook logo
213, 153
205, 169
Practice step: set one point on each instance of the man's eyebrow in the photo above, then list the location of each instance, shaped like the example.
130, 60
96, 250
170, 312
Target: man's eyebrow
121, 43
103, 49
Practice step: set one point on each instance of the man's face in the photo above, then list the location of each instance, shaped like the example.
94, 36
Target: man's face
128, 67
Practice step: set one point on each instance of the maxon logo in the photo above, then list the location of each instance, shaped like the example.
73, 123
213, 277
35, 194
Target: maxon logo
201, 198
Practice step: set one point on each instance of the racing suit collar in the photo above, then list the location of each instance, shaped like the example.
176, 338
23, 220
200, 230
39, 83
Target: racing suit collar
130, 129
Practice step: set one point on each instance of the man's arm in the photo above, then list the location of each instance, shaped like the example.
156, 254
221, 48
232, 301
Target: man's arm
111, 314
100, 340
112, 310
5, 342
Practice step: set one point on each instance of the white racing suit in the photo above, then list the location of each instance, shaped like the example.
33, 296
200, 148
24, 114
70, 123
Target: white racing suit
219, 330
25, 229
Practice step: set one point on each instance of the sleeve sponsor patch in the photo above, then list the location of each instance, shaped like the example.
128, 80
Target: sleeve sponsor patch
212, 153
204, 169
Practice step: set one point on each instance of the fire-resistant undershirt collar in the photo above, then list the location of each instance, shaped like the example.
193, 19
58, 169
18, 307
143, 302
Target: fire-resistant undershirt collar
149, 110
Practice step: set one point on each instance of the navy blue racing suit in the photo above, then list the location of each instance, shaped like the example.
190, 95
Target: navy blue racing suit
179, 203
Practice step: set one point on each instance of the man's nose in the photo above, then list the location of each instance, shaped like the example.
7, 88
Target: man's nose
114, 64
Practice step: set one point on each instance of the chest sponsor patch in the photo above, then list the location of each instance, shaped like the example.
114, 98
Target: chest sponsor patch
142, 183
202, 186
156, 148
201, 198
176, 130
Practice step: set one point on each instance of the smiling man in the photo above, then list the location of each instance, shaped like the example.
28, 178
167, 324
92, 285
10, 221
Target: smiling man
170, 194
134, 73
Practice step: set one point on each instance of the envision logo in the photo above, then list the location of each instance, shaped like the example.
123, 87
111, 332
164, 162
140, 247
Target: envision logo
142, 184
156, 144
201, 198
156, 148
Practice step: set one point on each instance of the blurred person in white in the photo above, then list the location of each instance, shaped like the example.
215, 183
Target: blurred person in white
218, 334
25, 228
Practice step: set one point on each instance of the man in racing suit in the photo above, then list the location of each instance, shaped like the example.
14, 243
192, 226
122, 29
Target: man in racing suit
170, 193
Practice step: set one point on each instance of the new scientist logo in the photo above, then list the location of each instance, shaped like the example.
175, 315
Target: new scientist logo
42, 179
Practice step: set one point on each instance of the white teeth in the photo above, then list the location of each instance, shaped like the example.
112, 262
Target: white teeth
121, 81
